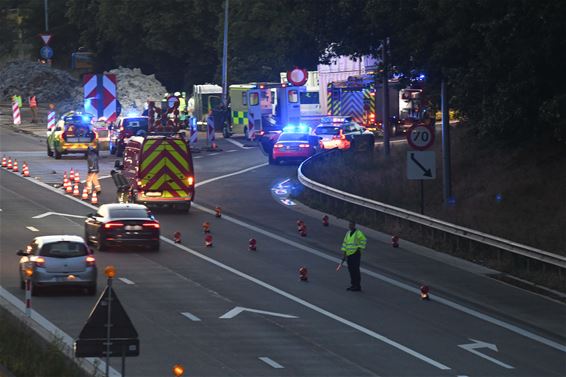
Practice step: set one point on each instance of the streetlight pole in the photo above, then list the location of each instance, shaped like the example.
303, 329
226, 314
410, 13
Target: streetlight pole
446, 165
385, 113
45, 8
225, 57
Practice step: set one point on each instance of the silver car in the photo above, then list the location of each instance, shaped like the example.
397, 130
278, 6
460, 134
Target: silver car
58, 261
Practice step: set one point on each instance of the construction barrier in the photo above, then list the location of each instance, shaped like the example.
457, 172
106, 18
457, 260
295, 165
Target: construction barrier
16, 113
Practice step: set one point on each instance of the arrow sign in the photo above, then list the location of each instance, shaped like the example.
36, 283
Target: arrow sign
57, 214
477, 344
238, 309
421, 165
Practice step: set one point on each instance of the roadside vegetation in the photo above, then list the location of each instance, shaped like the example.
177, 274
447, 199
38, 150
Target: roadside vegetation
515, 191
25, 354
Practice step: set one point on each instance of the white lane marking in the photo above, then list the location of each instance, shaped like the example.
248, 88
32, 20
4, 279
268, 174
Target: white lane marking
103, 177
238, 309
473, 348
191, 316
474, 313
58, 214
33, 229
238, 144
214, 154
57, 333
231, 150
197, 157
126, 281
307, 304
270, 362
231, 174
398, 284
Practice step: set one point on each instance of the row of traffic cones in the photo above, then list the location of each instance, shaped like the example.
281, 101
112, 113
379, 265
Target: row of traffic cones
12, 166
71, 187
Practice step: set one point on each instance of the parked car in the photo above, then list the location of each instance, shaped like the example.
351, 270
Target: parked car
295, 143
125, 128
343, 133
73, 133
58, 260
122, 224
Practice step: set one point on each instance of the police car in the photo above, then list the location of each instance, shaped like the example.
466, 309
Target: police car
343, 133
295, 143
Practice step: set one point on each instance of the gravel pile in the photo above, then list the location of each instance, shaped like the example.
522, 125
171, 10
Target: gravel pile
135, 88
50, 85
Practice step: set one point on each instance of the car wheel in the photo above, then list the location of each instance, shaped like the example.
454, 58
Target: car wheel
57, 154
184, 208
49, 151
246, 136
91, 290
272, 160
226, 133
101, 244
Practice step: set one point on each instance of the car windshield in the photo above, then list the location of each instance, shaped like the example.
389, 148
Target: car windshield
63, 249
135, 123
78, 130
293, 137
327, 130
129, 213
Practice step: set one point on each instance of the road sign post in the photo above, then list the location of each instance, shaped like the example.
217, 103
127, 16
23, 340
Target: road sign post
421, 165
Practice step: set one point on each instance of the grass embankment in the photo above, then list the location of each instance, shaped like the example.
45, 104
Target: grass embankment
515, 192
24, 353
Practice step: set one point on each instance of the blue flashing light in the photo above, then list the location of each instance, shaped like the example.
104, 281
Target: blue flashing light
421, 76
336, 119
300, 129
498, 197
85, 118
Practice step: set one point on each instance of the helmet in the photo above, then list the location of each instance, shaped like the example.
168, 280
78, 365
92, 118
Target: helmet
91, 148
177, 94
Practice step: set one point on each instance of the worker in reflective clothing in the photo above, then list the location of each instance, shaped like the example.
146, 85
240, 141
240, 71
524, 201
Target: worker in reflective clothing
92, 178
352, 247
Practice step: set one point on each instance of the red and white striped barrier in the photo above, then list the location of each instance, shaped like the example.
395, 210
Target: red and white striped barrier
50, 121
16, 113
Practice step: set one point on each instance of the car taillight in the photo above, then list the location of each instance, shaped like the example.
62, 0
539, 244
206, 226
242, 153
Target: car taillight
90, 261
114, 224
190, 180
154, 225
39, 262
304, 145
278, 145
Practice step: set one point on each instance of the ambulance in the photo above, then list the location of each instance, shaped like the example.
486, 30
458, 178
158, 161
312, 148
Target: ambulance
159, 171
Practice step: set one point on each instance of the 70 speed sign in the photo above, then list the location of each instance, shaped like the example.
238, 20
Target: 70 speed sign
420, 136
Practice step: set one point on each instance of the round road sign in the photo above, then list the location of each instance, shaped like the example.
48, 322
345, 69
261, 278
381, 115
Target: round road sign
297, 76
420, 136
46, 52
172, 102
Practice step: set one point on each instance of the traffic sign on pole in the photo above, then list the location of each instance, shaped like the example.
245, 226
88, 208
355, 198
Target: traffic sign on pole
421, 165
45, 38
46, 52
420, 136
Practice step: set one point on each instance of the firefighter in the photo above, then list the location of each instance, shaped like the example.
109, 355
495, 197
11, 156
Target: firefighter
352, 247
93, 169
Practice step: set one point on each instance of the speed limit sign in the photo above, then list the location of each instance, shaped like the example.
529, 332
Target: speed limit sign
420, 136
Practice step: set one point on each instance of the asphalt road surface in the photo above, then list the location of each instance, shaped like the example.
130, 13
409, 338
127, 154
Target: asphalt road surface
228, 311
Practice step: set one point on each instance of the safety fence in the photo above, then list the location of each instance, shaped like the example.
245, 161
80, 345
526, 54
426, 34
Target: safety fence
536, 265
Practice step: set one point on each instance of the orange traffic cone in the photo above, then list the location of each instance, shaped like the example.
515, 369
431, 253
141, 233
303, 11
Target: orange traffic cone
4, 162
94, 198
206, 227
77, 177
300, 224
325, 221
208, 240
177, 237
25, 170
84, 196
252, 244
395, 241
303, 274
218, 211
69, 188
76, 191
65, 180
303, 230
15, 168
9, 166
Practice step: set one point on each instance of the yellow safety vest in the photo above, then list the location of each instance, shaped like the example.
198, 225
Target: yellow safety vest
182, 104
353, 242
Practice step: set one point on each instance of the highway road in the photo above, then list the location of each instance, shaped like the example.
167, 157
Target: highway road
228, 311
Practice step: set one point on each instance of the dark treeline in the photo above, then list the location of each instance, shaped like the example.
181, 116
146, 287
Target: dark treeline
503, 60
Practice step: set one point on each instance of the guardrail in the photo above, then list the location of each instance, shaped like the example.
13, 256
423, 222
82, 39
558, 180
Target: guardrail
413, 217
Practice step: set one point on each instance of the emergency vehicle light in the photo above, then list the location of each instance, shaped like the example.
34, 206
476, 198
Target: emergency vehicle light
301, 128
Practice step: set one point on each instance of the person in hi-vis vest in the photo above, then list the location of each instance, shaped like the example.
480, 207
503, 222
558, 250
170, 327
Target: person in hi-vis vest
352, 246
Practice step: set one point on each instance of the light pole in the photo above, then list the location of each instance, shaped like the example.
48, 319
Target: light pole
385, 120
225, 57
45, 8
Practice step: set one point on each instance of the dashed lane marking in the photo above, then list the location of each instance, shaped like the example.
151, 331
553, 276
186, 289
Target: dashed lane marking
231, 150
238, 144
190, 316
126, 281
32, 228
271, 363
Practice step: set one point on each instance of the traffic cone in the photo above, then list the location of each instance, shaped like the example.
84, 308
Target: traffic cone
25, 170
325, 221
15, 168
77, 178
9, 166
424, 292
252, 244
177, 237
395, 241
300, 224
72, 175
94, 198
303, 230
213, 146
4, 162
218, 211
76, 191
84, 196
208, 240
69, 188
65, 180
206, 227
303, 274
